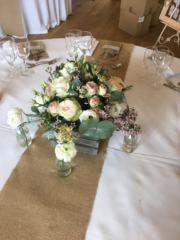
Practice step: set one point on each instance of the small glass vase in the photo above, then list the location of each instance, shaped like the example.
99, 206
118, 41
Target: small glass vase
63, 168
23, 137
129, 143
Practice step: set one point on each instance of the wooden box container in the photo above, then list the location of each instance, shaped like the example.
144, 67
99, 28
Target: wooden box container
83, 144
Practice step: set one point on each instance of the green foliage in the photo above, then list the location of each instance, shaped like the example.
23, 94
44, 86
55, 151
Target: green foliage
75, 83
49, 134
117, 95
35, 109
97, 129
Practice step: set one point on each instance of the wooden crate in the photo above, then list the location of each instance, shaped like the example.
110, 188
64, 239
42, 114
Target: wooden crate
83, 144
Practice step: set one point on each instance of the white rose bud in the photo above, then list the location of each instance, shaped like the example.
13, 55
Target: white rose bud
15, 117
39, 100
53, 108
94, 101
102, 90
49, 92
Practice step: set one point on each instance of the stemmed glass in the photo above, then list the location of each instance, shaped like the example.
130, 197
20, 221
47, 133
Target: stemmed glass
86, 42
147, 63
23, 51
76, 40
8, 50
162, 61
69, 38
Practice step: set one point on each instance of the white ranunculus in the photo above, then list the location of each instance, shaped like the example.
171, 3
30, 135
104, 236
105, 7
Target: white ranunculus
88, 114
15, 117
39, 99
65, 151
60, 86
65, 73
116, 109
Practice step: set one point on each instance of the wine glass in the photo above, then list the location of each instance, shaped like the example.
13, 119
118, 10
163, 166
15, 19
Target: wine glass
162, 61
8, 50
76, 40
69, 38
23, 51
86, 42
147, 63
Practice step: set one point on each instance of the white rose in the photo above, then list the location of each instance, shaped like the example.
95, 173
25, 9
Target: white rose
65, 73
65, 151
116, 110
15, 117
88, 114
102, 90
60, 86
69, 109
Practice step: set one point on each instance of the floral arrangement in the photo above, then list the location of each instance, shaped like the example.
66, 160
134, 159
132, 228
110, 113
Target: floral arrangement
79, 96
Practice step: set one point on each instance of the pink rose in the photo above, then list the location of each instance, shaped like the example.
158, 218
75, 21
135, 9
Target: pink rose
102, 90
94, 101
49, 92
91, 88
53, 108
70, 109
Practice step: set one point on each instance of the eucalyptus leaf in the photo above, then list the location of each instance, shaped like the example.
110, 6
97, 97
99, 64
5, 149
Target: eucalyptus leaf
55, 134
105, 129
35, 109
88, 127
93, 128
76, 82
118, 95
57, 75
107, 85
49, 134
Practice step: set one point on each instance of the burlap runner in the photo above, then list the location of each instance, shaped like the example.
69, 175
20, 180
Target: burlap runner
123, 58
36, 204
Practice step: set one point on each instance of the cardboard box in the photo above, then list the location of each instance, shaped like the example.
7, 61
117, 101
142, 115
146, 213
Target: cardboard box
133, 24
155, 16
140, 7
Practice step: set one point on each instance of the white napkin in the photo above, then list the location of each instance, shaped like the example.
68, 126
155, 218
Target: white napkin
89, 53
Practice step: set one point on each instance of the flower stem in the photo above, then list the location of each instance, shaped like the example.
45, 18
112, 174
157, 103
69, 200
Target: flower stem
23, 134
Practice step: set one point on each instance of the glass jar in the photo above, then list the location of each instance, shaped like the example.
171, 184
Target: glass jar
129, 143
63, 168
23, 137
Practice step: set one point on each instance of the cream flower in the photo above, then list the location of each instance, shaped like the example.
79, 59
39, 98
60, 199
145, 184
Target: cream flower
15, 117
102, 90
65, 151
70, 109
65, 73
49, 92
91, 88
116, 109
53, 108
60, 86
94, 101
39, 99
88, 114
115, 83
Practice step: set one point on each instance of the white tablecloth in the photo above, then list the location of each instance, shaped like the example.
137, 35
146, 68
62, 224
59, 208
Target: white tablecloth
138, 193
39, 15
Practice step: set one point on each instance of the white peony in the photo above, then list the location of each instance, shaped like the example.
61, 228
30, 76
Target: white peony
88, 114
60, 86
65, 151
15, 117
116, 109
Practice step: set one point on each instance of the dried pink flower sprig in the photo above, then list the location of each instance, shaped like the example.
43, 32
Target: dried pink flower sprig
127, 123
